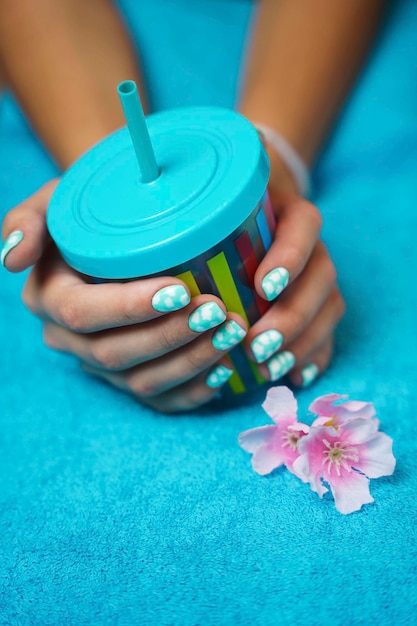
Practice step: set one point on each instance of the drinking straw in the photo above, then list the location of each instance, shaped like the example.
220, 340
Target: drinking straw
138, 130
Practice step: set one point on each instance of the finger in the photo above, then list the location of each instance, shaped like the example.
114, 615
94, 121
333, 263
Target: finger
298, 228
123, 348
298, 351
56, 292
314, 364
24, 231
188, 396
292, 313
179, 366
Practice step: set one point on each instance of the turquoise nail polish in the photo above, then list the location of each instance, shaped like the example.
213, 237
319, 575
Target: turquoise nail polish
309, 373
206, 316
275, 282
218, 376
170, 298
280, 364
228, 335
11, 242
266, 344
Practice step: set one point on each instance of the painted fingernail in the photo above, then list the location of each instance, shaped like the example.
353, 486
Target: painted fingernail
266, 344
11, 242
280, 364
206, 316
218, 376
170, 298
275, 282
228, 335
309, 373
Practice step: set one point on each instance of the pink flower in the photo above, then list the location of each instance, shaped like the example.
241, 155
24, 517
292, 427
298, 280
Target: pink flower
342, 448
345, 455
332, 414
273, 446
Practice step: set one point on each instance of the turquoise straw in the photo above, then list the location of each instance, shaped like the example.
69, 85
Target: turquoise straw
138, 130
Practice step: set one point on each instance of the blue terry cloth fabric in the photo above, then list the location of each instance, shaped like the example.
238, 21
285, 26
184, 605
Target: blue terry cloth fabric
112, 514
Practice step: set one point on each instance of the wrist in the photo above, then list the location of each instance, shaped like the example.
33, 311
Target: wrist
280, 178
287, 165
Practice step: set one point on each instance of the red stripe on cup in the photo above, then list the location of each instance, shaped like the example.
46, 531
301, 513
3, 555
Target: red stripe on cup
250, 263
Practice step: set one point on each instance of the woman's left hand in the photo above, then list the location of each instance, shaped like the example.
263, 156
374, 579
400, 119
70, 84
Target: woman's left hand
295, 336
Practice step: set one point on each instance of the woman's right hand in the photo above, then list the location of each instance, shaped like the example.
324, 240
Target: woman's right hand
146, 337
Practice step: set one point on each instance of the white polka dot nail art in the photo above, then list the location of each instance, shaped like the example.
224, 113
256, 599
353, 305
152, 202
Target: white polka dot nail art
275, 282
266, 344
170, 298
228, 335
11, 242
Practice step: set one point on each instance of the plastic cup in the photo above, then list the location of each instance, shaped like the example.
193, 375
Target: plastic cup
205, 218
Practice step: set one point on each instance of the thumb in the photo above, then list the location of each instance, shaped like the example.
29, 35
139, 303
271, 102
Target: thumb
24, 230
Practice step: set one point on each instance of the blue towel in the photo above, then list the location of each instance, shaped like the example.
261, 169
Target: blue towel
113, 514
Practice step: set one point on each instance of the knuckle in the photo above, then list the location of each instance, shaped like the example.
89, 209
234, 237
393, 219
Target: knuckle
68, 314
330, 271
129, 306
143, 386
312, 214
49, 338
167, 339
296, 257
105, 356
198, 395
197, 358
316, 218
340, 306
28, 298
327, 267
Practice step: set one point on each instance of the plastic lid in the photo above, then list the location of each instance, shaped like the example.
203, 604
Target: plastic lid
108, 224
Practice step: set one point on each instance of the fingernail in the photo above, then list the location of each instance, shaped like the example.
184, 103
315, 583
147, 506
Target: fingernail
206, 316
280, 364
309, 373
228, 335
266, 344
170, 298
275, 282
11, 242
218, 376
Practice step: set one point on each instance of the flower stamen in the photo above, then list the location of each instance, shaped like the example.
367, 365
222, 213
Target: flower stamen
290, 438
340, 455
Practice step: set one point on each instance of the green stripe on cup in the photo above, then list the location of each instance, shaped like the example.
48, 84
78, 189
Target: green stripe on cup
223, 277
189, 280
225, 283
235, 382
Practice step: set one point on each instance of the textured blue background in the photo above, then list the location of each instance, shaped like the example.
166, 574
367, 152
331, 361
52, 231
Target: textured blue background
112, 514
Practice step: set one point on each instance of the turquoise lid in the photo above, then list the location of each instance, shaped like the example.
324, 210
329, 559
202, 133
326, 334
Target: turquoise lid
213, 172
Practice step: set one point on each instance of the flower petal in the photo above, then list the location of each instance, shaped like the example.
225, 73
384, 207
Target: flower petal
280, 402
250, 440
266, 459
342, 412
299, 427
322, 421
365, 410
324, 405
350, 496
301, 468
359, 430
376, 457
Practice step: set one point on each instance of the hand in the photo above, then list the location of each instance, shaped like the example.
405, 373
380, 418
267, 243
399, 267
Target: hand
164, 351
296, 335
